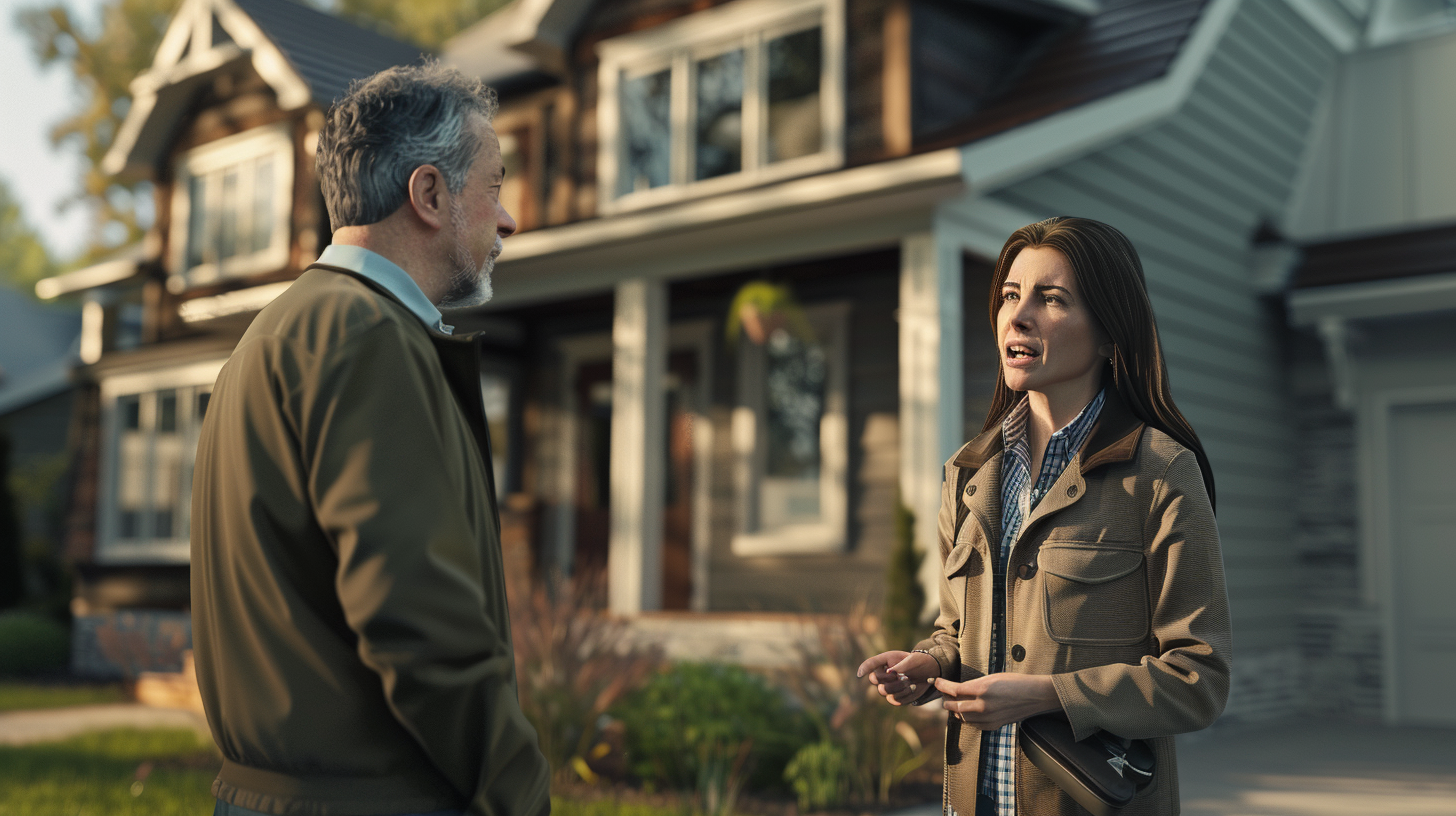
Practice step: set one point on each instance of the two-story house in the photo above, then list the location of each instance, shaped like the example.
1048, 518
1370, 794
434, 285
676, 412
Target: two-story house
746, 311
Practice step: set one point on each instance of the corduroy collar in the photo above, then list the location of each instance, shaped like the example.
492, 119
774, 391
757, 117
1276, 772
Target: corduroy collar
1114, 439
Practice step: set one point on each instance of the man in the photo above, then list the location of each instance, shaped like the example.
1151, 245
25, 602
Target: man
349, 610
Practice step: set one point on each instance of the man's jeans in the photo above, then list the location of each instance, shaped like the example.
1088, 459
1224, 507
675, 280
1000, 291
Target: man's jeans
225, 809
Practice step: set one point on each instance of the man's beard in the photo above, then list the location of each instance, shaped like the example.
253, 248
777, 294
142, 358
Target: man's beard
469, 285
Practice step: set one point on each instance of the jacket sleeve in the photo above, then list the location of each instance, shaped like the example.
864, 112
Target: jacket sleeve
944, 643
410, 578
1184, 685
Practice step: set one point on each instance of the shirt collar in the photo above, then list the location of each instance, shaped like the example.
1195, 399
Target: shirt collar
387, 274
1072, 435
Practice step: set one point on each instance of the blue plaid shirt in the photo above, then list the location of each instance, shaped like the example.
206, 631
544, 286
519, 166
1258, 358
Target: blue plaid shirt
1018, 497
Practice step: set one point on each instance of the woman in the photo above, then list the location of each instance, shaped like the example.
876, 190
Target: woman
1080, 561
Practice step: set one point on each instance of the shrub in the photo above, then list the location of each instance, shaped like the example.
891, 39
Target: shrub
882, 743
573, 662
32, 644
711, 728
819, 773
904, 596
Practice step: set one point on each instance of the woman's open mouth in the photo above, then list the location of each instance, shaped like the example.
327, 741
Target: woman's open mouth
1020, 356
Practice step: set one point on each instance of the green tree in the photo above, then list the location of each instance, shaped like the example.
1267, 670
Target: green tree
423, 22
24, 259
103, 60
904, 597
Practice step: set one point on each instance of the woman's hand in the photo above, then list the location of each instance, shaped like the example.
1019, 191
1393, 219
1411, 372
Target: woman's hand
994, 700
900, 677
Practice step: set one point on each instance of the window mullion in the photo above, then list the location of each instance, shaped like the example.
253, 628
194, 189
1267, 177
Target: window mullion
754, 94
681, 116
147, 424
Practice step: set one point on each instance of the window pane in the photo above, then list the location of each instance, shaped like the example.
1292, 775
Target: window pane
795, 120
720, 115
130, 410
167, 411
262, 204
647, 132
227, 214
794, 390
196, 221
132, 454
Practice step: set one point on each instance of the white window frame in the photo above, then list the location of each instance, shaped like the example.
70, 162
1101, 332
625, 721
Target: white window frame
275, 141
831, 533
676, 46
110, 548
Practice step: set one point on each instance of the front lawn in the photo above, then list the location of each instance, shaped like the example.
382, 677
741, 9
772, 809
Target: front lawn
18, 696
125, 772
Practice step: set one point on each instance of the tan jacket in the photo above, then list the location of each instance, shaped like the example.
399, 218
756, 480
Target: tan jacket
1115, 588
348, 601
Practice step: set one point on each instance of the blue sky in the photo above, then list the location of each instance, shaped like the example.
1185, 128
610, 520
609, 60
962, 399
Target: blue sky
32, 101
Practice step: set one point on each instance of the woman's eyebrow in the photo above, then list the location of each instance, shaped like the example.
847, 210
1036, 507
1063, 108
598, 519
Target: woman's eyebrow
1048, 287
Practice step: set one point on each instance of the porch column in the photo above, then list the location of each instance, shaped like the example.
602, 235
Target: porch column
931, 402
639, 434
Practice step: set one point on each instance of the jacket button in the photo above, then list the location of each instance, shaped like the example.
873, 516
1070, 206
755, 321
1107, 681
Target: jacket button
1025, 571
1017, 653
971, 490
1072, 491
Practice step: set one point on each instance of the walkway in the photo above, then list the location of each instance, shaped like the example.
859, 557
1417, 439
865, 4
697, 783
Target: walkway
22, 727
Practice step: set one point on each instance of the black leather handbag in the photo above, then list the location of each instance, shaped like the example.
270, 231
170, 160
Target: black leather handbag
1102, 773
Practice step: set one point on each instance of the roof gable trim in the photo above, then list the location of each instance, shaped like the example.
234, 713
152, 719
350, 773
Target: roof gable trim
187, 53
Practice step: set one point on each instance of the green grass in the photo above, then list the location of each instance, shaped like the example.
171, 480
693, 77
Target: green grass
97, 774
20, 696
609, 807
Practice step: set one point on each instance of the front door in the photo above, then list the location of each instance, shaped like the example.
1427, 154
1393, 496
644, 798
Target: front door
1423, 521
592, 486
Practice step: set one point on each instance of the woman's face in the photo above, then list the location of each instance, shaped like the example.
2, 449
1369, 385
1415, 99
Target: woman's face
1048, 339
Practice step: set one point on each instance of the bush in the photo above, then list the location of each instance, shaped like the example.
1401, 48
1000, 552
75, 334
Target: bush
32, 644
882, 743
573, 662
711, 728
819, 774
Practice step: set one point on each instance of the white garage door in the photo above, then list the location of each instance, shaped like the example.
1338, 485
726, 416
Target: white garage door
1423, 513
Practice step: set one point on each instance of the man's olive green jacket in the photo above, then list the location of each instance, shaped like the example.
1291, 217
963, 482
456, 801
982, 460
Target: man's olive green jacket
348, 602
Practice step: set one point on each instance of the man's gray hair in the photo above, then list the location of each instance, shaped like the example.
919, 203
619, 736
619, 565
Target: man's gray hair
385, 126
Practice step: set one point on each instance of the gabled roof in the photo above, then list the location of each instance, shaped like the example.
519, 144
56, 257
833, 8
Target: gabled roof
1122, 44
326, 51
306, 55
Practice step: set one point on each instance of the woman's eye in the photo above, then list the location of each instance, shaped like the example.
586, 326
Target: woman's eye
1005, 296
1052, 300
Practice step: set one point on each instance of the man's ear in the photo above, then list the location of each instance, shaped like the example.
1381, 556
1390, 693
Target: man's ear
429, 198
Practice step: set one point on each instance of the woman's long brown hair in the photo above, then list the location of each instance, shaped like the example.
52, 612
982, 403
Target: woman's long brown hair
1110, 278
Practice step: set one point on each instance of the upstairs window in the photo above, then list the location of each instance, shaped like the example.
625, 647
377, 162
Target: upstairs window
740, 94
231, 207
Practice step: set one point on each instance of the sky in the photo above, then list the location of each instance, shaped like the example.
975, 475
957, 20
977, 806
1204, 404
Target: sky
32, 101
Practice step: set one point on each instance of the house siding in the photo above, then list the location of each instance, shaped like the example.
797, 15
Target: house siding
1190, 192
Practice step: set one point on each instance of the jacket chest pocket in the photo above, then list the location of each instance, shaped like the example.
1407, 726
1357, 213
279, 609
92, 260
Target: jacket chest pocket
1096, 594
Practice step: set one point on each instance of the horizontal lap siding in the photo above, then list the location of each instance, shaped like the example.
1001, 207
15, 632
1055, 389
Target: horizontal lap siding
1189, 193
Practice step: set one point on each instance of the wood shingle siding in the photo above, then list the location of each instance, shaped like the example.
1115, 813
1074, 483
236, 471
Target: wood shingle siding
1189, 193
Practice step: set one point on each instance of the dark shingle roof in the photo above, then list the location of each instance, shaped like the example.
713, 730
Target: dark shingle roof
327, 52
1125, 44
1401, 254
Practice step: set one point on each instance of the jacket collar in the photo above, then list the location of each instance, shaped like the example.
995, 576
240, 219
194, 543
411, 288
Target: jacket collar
434, 332
1114, 438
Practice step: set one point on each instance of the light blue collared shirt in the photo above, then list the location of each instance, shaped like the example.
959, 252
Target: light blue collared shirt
386, 273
